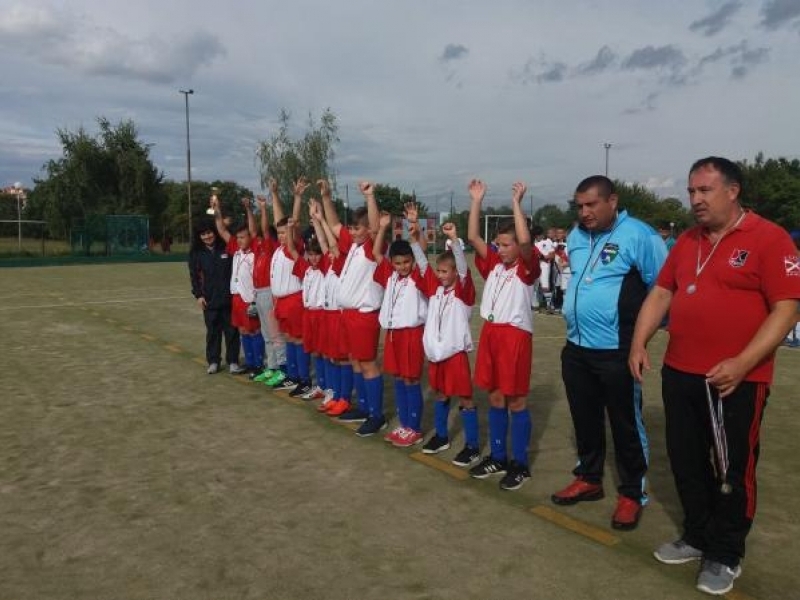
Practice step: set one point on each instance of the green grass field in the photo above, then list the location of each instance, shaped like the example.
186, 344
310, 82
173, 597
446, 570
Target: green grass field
128, 473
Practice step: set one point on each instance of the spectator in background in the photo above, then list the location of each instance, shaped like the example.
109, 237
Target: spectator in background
665, 230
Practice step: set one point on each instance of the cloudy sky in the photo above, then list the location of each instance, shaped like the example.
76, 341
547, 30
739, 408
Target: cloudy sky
428, 92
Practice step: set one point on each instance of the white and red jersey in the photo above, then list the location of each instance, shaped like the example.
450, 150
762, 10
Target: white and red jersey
242, 274
545, 247
283, 281
332, 282
313, 282
404, 302
508, 293
357, 288
447, 327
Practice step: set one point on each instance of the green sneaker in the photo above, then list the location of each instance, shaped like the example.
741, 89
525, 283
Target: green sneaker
264, 375
276, 378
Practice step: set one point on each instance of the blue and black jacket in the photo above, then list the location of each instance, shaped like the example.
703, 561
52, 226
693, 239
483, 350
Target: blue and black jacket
612, 271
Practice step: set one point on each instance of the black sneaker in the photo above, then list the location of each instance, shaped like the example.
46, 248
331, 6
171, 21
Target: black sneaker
255, 372
371, 426
354, 415
467, 456
435, 445
286, 384
488, 466
515, 476
301, 388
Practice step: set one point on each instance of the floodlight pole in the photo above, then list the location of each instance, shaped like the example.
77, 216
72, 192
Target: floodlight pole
186, 94
19, 192
607, 146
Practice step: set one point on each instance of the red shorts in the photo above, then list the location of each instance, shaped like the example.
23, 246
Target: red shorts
313, 332
361, 331
333, 342
289, 312
239, 316
403, 354
451, 377
504, 359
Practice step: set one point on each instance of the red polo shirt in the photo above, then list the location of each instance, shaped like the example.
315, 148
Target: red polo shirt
263, 250
755, 265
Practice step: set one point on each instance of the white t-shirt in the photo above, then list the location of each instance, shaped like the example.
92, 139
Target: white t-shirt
447, 329
508, 292
242, 275
404, 303
357, 288
283, 281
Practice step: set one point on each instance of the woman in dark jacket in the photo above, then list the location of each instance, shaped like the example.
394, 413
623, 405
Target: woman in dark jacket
210, 272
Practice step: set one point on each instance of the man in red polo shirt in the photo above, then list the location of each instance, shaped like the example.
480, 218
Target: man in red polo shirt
731, 286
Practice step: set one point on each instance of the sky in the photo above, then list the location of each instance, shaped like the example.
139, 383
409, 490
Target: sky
428, 93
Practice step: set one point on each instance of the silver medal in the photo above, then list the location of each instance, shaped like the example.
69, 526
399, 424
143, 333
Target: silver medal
726, 488
691, 289
588, 279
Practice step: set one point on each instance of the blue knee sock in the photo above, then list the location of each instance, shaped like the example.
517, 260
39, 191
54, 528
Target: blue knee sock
258, 350
247, 346
303, 362
415, 404
291, 361
401, 401
331, 379
361, 391
374, 388
319, 371
498, 431
440, 413
469, 420
521, 427
347, 376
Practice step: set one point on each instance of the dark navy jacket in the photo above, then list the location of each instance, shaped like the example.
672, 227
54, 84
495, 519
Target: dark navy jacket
210, 272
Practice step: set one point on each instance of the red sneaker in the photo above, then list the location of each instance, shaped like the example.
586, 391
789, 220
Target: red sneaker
394, 435
337, 407
407, 438
578, 491
627, 514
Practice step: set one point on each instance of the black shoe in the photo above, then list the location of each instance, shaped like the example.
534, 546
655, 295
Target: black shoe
301, 388
255, 372
286, 384
354, 415
371, 426
435, 445
488, 466
467, 456
515, 476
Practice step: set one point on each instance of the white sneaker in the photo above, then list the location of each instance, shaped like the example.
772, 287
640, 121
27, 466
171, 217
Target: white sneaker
315, 393
212, 368
329, 395
235, 369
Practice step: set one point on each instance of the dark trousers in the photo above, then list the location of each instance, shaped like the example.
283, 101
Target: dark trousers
713, 522
218, 323
599, 382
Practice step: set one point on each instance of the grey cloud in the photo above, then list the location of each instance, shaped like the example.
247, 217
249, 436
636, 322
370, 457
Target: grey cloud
605, 58
646, 105
740, 56
716, 21
775, 13
554, 73
540, 71
650, 57
454, 52
58, 38
748, 59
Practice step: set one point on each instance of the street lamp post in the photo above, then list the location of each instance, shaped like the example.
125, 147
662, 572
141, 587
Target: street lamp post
607, 146
186, 94
20, 193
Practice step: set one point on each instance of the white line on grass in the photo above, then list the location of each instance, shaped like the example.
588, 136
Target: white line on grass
92, 302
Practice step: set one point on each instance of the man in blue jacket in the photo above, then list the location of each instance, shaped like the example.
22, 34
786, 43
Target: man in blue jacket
615, 259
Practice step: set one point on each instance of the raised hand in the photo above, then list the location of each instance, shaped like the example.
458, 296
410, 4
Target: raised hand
324, 188
411, 212
300, 186
413, 230
314, 209
290, 224
477, 190
366, 188
246, 203
518, 192
261, 201
213, 202
449, 229
273, 187
384, 220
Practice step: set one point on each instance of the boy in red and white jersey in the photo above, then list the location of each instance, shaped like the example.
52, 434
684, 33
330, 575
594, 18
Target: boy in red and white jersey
402, 317
287, 288
503, 364
360, 298
447, 340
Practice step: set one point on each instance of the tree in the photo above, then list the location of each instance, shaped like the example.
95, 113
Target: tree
285, 158
175, 216
772, 189
392, 200
551, 215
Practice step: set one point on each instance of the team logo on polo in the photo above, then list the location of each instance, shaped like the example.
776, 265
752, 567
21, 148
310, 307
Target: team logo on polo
738, 258
609, 253
792, 265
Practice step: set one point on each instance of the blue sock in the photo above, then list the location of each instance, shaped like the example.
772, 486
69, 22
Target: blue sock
415, 404
361, 391
440, 413
319, 371
469, 419
498, 430
374, 389
247, 346
291, 361
347, 376
258, 349
401, 401
303, 362
331, 378
521, 427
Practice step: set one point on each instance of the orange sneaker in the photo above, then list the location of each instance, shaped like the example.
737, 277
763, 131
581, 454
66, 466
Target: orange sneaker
627, 514
394, 435
338, 407
578, 491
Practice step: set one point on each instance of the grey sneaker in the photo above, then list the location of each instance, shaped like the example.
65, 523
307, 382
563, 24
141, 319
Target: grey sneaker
716, 578
235, 369
212, 368
677, 553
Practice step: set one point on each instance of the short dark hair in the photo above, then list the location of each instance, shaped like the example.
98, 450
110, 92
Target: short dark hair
282, 223
313, 246
242, 228
507, 227
361, 216
400, 248
448, 256
729, 170
604, 186
205, 224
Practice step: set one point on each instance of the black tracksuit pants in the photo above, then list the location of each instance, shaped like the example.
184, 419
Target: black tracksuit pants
218, 323
715, 523
599, 382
